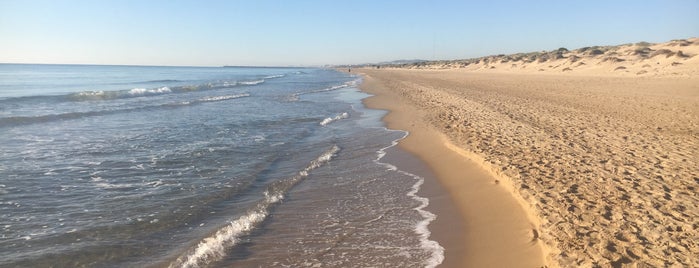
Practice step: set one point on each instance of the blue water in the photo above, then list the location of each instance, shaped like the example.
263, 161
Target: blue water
131, 166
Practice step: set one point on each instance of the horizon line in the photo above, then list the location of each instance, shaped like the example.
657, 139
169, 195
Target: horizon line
148, 65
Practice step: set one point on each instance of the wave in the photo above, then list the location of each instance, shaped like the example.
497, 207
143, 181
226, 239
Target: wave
421, 228
214, 247
330, 120
95, 95
274, 76
252, 83
141, 92
105, 185
328, 89
26, 120
227, 84
295, 96
117, 94
222, 98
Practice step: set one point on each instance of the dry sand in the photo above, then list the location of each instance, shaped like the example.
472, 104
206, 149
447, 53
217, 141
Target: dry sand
596, 168
675, 58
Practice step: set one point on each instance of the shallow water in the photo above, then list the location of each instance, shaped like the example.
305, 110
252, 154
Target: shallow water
114, 166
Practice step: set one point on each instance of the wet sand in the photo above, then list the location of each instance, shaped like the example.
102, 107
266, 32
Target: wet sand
497, 231
556, 170
450, 218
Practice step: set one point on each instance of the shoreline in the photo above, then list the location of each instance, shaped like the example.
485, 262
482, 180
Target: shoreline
497, 232
440, 203
601, 169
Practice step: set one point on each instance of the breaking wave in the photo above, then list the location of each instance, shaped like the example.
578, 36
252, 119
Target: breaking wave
329, 120
252, 83
222, 98
214, 247
295, 96
141, 92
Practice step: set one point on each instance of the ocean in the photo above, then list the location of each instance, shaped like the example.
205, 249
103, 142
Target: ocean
139, 166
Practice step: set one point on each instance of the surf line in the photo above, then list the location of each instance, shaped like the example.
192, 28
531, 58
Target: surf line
421, 229
213, 248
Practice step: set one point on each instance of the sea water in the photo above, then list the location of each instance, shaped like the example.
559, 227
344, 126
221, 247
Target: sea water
133, 166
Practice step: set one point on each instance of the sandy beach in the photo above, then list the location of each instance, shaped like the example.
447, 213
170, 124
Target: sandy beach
591, 166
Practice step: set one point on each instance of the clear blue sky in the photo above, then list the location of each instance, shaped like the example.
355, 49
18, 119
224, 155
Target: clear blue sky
300, 32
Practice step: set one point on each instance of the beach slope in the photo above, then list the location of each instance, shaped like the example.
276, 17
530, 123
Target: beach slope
600, 169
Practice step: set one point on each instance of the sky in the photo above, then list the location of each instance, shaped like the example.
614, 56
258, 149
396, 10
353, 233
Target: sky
330, 32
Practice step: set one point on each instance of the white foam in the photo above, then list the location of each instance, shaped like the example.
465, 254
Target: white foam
91, 93
336, 87
155, 183
259, 138
213, 248
274, 76
421, 229
329, 120
143, 91
137, 91
324, 158
324, 89
94, 95
252, 83
221, 98
355, 82
106, 185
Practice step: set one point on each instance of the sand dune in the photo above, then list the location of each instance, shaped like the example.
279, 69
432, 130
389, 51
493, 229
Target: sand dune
607, 160
674, 58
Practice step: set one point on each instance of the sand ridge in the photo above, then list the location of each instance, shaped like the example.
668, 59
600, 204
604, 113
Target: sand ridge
609, 164
674, 58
